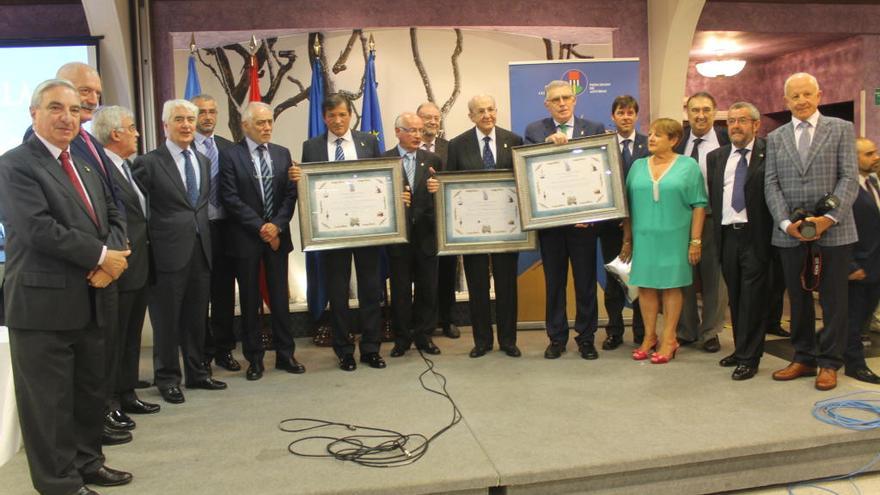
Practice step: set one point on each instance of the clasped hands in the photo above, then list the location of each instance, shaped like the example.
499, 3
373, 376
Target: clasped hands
269, 234
111, 269
823, 223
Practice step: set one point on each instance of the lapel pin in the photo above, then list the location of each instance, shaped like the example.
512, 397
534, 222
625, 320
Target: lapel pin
88, 169
362, 143
505, 145
582, 133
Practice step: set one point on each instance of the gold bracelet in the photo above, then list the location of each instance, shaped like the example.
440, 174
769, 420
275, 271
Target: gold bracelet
696, 242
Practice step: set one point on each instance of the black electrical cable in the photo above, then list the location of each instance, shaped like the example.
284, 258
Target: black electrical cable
379, 447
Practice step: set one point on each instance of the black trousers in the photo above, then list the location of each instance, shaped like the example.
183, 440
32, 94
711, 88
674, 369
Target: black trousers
219, 336
447, 266
337, 272
178, 311
747, 280
504, 271
559, 245
413, 295
863, 299
59, 390
132, 311
825, 349
113, 338
611, 239
248, 273
775, 292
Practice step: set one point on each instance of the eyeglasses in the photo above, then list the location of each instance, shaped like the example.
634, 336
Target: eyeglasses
131, 128
740, 121
560, 99
412, 130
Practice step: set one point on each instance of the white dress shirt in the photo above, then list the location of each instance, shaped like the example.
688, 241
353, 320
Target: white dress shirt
632, 141
348, 148
119, 161
177, 154
492, 142
255, 162
728, 214
569, 131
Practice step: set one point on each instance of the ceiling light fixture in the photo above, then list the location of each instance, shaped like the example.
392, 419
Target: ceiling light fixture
721, 68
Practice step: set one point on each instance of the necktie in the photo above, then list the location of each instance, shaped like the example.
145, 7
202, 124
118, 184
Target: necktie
488, 159
126, 167
738, 199
804, 141
339, 156
627, 154
409, 166
695, 151
211, 153
563, 128
92, 149
874, 189
192, 190
68, 169
266, 180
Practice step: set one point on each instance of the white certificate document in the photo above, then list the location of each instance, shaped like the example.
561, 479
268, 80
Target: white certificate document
361, 204
571, 181
482, 212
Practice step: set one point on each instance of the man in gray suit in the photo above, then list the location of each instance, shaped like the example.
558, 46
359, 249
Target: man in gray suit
808, 158
176, 180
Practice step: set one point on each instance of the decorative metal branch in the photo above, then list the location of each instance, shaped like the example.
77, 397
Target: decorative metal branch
548, 48
426, 81
566, 50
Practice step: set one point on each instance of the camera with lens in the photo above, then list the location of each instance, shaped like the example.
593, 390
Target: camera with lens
823, 206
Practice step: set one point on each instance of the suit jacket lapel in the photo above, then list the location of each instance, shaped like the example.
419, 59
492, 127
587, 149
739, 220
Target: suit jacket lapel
580, 129
421, 173
790, 145
99, 207
204, 175
170, 168
54, 169
756, 164
820, 135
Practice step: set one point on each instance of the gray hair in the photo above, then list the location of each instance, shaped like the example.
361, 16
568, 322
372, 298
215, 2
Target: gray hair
555, 84
107, 120
248, 114
797, 75
398, 122
753, 110
70, 68
37, 96
473, 101
170, 105
202, 96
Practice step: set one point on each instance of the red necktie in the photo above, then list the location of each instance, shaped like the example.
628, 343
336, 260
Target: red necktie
74, 180
85, 136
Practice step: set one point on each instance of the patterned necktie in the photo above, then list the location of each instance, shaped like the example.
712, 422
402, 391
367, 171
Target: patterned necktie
488, 158
339, 156
627, 154
126, 167
804, 141
563, 128
74, 180
211, 153
409, 166
738, 199
695, 151
266, 180
192, 189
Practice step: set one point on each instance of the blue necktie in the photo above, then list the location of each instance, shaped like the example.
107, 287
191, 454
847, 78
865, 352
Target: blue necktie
211, 153
409, 166
488, 159
266, 180
339, 156
804, 141
627, 154
738, 199
192, 189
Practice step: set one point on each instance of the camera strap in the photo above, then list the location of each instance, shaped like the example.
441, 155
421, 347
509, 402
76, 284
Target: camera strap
811, 273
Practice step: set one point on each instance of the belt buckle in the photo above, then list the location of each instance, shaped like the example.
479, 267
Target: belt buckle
738, 226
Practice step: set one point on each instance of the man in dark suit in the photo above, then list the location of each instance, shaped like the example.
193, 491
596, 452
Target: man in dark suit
259, 200
695, 325
864, 269
633, 145
65, 245
742, 223
808, 158
339, 143
575, 243
488, 147
114, 127
219, 337
448, 265
414, 264
176, 180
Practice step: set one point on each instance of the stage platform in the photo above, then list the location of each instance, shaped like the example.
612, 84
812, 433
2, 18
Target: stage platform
530, 426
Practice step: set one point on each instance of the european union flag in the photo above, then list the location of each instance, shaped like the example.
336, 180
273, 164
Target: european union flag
371, 117
193, 87
316, 293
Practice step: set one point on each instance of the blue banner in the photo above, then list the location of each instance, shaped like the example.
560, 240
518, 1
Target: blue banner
316, 293
371, 117
193, 87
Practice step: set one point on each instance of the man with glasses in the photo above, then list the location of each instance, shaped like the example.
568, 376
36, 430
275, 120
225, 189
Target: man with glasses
575, 243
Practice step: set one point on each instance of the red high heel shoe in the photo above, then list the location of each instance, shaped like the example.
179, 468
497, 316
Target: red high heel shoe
641, 355
658, 358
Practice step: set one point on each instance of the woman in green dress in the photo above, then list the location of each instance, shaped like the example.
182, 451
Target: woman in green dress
667, 198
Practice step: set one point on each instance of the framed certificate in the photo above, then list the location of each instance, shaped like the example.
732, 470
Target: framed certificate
477, 212
580, 181
351, 204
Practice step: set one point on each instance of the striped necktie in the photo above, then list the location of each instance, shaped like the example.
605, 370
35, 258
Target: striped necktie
266, 181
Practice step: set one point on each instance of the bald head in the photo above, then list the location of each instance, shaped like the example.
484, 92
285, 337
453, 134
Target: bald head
88, 85
869, 159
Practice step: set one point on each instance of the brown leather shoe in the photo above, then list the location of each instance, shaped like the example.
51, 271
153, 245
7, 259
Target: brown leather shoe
827, 379
794, 370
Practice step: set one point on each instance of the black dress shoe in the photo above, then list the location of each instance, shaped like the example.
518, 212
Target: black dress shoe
225, 360
106, 476
744, 372
862, 374
588, 351
290, 365
138, 406
172, 394
85, 491
209, 384
373, 360
612, 342
398, 350
554, 350
712, 345
118, 420
347, 363
254, 371
143, 384
451, 331
777, 330
114, 437
511, 350
478, 351
728, 362
429, 348
684, 342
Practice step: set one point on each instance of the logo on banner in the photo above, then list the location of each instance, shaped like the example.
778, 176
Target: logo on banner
577, 80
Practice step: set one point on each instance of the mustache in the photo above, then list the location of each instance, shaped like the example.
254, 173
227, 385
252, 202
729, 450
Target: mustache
88, 106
